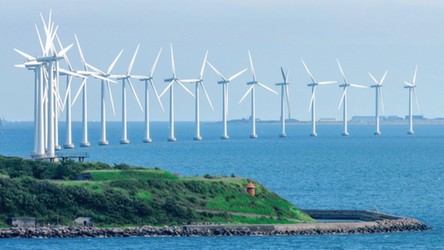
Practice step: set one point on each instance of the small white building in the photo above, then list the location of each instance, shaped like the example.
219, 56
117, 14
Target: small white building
83, 222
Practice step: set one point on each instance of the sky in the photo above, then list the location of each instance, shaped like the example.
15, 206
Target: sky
366, 36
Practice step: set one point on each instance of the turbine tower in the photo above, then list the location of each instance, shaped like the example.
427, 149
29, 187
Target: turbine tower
149, 81
105, 86
252, 90
284, 98
199, 82
171, 81
225, 81
312, 106
125, 79
343, 101
412, 91
378, 95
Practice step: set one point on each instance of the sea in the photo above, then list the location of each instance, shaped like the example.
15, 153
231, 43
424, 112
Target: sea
393, 173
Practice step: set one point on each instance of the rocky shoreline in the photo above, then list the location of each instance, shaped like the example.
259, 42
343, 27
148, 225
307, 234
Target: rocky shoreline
380, 226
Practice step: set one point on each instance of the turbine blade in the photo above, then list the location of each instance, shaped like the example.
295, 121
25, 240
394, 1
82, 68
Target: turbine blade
110, 68
187, 90
155, 63
173, 65
189, 80
157, 94
312, 99
358, 86
267, 88
327, 82
373, 78
78, 92
67, 72
308, 71
130, 67
167, 88
416, 99
287, 97
382, 100
251, 66
342, 71
95, 69
246, 93
82, 57
206, 94
63, 51
283, 75
202, 69
408, 84
40, 38
103, 78
383, 77
217, 72
30, 58
135, 94
236, 75
111, 98
342, 98
414, 75
68, 91
22, 66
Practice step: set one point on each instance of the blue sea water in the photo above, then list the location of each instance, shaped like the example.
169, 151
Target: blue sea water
393, 173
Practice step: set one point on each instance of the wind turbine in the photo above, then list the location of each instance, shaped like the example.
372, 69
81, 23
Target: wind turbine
345, 86
312, 106
225, 81
199, 82
252, 90
83, 88
105, 86
378, 94
170, 86
125, 79
284, 96
412, 91
149, 81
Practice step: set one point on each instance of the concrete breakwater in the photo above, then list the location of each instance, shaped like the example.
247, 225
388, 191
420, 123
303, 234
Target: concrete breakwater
368, 227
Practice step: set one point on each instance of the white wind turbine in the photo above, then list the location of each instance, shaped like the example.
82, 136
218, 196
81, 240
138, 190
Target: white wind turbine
149, 81
199, 82
343, 101
225, 81
412, 91
252, 90
312, 106
284, 98
105, 86
378, 94
170, 86
125, 79
83, 89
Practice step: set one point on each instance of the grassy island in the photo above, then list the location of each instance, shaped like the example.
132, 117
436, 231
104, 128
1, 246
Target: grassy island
122, 195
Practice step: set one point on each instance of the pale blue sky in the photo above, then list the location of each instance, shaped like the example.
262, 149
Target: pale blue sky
365, 35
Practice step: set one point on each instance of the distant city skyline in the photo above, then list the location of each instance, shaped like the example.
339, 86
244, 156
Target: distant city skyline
369, 36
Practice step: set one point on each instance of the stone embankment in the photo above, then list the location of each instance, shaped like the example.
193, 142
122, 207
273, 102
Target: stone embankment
380, 226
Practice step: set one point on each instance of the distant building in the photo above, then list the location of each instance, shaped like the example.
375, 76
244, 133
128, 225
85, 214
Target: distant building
364, 119
416, 117
83, 222
327, 119
392, 118
22, 221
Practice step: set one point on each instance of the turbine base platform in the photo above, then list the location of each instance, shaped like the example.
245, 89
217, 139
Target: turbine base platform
282, 135
253, 136
225, 137
313, 134
147, 140
410, 132
377, 133
197, 138
345, 134
85, 144
68, 146
124, 141
171, 139
103, 143
58, 147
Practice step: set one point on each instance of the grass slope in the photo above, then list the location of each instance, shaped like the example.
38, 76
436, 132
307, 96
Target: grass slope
123, 195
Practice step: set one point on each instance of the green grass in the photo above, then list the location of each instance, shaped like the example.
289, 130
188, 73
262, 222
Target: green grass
146, 174
144, 195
